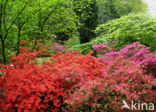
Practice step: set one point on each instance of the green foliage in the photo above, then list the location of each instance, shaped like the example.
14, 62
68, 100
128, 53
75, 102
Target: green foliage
54, 20
72, 41
124, 30
12, 15
87, 13
128, 29
90, 13
83, 48
34, 19
41, 60
87, 47
111, 9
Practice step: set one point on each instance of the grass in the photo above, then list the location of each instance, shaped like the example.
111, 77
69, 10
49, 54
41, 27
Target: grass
72, 42
40, 60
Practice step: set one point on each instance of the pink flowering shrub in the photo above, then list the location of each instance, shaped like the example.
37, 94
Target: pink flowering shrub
56, 47
50, 48
101, 48
135, 52
122, 80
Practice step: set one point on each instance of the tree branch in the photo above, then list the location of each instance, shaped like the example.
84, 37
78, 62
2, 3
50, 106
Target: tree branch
1, 13
44, 21
1, 37
16, 18
4, 14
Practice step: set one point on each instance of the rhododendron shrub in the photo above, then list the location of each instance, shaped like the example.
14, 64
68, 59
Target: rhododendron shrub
50, 48
135, 52
74, 69
56, 47
29, 87
47, 49
101, 48
71, 82
123, 80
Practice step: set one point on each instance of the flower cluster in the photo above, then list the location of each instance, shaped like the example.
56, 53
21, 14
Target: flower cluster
122, 80
51, 48
56, 47
29, 87
101, 48
136, 52
71, 82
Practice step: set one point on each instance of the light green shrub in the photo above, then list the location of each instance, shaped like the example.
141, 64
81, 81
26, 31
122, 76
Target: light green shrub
128, 29
125, 30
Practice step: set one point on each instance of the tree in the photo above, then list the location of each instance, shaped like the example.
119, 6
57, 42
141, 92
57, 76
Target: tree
34, 19
52, 18
111, 9
7, 23
22, 20
87, 12
94, 12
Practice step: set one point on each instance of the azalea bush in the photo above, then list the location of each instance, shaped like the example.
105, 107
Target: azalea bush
101, 48
135, 52
122, 80
72, 82
28, 87
47, 48
51, 48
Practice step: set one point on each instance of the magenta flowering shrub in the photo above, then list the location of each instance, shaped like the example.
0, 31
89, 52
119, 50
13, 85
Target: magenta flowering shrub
56, 47
139, 53
101, 48
122, 80
136, 52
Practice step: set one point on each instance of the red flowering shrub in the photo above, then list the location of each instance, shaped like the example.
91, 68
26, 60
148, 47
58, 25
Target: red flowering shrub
28, 87
47, 49
51, 48
73, 68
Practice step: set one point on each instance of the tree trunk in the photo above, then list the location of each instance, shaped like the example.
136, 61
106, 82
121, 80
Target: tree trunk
35, 43
3, 51
19, 39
